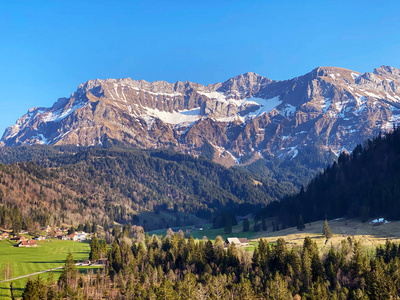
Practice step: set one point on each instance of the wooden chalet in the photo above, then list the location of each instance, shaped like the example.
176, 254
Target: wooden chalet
239, 242
28, 243
19, 238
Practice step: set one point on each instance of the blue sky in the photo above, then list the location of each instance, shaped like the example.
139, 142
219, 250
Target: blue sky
47, 48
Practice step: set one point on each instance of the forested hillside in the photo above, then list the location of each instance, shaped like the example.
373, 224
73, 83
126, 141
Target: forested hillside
291, 172
365, 183
107, 185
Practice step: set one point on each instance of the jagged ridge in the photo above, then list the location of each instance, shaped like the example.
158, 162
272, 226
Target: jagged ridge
249, 115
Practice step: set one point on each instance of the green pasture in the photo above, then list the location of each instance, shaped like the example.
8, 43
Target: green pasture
210, 233
49, 254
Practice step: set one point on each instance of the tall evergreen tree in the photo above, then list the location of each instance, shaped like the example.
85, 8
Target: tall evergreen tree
300, 223
95, 249
68, 275
228, 223
30, 291
246, 225
326, 230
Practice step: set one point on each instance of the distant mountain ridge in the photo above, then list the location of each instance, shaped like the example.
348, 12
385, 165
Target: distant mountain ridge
246, 116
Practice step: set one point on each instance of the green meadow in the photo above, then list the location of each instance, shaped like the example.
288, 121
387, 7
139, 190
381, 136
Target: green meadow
49, 254
210, 233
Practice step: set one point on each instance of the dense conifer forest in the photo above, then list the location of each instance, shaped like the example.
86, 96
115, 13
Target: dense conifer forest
364, 183
179, 268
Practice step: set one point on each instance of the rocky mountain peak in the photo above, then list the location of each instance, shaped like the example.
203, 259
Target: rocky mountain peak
388, 72
331, 73
243, 85
246, 116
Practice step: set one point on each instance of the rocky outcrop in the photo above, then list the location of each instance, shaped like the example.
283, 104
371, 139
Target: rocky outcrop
333, 108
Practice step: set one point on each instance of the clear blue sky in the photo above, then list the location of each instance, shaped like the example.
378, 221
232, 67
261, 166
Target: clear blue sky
47, 48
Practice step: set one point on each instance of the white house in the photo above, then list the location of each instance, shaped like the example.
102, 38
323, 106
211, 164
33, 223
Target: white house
82, 236
239, 242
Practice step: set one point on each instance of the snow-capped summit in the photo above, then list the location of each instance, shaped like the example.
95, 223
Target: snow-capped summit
331, 107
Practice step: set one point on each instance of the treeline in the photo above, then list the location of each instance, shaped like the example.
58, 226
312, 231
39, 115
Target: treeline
175, 268
365, 184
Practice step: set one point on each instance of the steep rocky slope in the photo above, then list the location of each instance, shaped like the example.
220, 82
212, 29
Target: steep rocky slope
246, 116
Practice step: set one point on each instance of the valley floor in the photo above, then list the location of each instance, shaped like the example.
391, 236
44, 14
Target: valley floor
369, 235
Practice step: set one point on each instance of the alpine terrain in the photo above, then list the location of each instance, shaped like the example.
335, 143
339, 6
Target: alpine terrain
242, 119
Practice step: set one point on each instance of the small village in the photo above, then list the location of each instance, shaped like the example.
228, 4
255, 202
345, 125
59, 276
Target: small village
24, 239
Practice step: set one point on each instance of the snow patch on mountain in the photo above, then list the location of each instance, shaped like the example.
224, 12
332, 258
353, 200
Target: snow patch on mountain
326, 104
266, 105
61, 113
176, 117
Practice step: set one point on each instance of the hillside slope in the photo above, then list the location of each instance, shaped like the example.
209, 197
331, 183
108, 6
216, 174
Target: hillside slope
121, 184
365, 183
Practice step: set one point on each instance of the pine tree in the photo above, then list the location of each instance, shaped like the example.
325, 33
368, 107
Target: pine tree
30, 291
326, 231
115, 257
103, 249
188, 287
278, 289
228, 224
264, 225
68, 273
166, 291
245, 289
94, 249
246, 225
51, 292
41, 288
300, 223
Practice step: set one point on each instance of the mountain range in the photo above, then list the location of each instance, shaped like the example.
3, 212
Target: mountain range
238, 121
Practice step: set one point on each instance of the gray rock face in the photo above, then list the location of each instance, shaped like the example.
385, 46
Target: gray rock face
333, 108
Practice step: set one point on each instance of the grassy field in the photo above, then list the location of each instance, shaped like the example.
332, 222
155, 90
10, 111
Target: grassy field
369, 235
49, 254
210, 233
167, 219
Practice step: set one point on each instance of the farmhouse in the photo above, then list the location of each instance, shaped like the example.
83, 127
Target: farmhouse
239, 242
19, 238
28, 243
46, 229
82, 236
73, 237
4, 235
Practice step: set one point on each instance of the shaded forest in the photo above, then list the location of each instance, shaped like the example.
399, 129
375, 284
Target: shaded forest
364, 183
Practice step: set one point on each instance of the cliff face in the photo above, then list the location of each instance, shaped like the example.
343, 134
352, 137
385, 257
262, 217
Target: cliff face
333, 108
